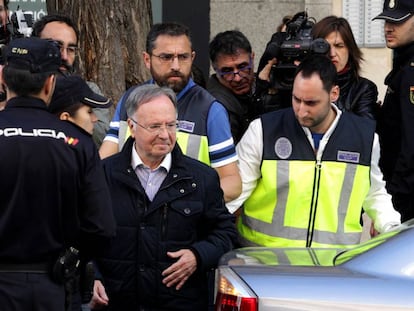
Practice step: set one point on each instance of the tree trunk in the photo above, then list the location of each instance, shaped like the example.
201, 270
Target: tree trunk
112, 39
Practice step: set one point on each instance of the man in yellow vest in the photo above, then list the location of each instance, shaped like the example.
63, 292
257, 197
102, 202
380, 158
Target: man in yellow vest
308, 171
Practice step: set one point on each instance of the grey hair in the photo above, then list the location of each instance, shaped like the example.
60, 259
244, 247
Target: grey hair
144, 93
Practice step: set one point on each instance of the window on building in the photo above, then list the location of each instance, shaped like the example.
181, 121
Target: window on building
359, 13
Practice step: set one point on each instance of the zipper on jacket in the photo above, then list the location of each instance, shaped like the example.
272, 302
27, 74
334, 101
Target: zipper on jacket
314, 202
164, 221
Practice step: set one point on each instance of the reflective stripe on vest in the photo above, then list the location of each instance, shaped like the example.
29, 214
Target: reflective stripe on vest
284, 198
194, 146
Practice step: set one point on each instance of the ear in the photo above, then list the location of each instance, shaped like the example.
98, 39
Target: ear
64, 116
193, 54
131, 127
334, 95
147, 59
49, 88
252, 62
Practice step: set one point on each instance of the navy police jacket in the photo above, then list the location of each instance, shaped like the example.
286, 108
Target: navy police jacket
395, 124
53, 190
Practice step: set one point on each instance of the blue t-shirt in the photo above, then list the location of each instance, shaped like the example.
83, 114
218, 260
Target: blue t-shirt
316, 139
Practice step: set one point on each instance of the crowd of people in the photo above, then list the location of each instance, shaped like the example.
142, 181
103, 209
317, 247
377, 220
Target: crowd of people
134, 213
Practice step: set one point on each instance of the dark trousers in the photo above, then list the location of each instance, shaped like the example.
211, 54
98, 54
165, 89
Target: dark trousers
30, 291
404, 204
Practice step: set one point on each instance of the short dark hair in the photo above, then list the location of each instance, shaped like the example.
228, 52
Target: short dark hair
71, 110
23, 82
168, 29
40, 24
321, 65
228, 42
333, 23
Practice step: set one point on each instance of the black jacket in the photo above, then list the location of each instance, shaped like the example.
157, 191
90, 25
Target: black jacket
53, 190
241, 109
187, 212
357, 95
395, 124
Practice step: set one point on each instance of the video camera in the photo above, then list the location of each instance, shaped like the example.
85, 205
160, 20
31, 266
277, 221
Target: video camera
295, 45
18, 26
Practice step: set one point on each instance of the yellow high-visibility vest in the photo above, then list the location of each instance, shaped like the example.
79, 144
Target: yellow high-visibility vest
301, 201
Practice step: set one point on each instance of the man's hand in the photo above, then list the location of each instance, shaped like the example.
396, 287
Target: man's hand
99, 298
179, 272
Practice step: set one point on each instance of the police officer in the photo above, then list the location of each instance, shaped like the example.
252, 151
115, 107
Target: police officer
395, 123
54, 199
311, 170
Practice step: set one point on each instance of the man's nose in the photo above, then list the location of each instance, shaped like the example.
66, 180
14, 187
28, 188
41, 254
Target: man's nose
175, 64
388, 26
302, 110
63, 54
163, 132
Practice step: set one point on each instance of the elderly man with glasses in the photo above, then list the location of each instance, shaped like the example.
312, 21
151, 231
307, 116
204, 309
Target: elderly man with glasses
232, 59
172, 224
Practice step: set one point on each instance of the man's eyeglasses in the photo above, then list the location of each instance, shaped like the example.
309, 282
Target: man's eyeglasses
158, 128
169, 58
70, 50
229, 75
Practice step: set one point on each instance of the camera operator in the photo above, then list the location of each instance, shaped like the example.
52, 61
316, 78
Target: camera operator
278, 63
357, 94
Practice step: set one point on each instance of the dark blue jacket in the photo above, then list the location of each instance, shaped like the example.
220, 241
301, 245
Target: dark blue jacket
187, 212
395, 124
53, 190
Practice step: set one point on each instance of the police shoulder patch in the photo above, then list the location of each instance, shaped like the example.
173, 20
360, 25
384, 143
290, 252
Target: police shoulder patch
412, 94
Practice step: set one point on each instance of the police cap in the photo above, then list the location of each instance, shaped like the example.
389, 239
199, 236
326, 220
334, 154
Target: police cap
33, 54
72, 90
397, 11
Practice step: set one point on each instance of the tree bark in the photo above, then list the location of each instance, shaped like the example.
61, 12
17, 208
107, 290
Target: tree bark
111, 42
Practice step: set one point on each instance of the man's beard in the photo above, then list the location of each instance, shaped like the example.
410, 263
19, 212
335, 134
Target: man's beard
176, 86
70, 69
